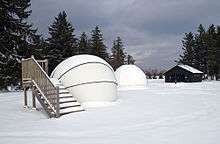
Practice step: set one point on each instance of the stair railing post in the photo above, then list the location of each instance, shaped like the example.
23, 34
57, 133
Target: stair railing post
58, 103
25, 97
33, 97
46, 66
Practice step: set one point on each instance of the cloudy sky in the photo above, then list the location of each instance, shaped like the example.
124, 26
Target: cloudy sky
151, 29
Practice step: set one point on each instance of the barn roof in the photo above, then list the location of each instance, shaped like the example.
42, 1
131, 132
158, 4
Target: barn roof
189, 68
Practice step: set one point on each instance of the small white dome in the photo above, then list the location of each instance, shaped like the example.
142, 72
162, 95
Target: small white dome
88, 78
130, 76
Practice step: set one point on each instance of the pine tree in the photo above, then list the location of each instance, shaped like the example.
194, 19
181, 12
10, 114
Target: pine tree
130, 60
97, 45
39, 46
211, 50
217, 55
200, 49
203, 50
83, 46
118, 54
15, 37
188, 50
62, 42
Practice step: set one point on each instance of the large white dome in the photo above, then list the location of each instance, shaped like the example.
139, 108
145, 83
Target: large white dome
130, 76
89, 78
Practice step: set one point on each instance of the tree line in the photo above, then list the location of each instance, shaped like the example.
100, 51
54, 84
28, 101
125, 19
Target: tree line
202, 50
19, 39
154, 73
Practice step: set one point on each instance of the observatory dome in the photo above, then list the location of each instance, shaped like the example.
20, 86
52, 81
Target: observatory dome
130, 76
88, 78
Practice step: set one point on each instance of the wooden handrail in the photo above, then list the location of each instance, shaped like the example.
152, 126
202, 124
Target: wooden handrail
36, 62
44, 96
31, 70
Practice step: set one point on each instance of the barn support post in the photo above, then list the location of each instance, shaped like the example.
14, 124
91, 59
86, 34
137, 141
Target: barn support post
175, 79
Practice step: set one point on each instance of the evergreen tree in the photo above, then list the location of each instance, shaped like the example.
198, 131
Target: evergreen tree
200, 49
83, 46
161, 74
62, 42
217, 55
15, 37
211, 50
130, 60
188, 43
39, 46
118, 54
97, 45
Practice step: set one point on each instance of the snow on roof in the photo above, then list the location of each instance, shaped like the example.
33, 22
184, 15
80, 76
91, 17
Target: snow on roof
190, 69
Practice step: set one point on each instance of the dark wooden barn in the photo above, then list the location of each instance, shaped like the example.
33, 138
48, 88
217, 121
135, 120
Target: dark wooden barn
183, 73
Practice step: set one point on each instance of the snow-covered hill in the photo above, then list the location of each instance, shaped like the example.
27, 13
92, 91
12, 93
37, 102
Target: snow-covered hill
183, 113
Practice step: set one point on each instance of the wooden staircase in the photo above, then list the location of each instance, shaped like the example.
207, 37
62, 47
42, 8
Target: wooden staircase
68, 104
51, 94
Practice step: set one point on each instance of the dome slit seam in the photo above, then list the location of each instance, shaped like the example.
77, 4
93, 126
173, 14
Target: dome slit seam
80, 65
92, 83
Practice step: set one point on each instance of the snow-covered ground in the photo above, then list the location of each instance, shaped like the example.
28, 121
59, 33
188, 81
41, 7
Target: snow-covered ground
164, 113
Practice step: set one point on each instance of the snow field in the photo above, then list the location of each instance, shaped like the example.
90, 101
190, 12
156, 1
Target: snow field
182, 113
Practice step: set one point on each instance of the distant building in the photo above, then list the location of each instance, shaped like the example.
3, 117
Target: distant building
183, 73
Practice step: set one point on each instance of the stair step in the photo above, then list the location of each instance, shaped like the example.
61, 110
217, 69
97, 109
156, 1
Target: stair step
71, 109
61, 91
65, 95
65, 100
61, 87
63, 105
70, 106
61, 114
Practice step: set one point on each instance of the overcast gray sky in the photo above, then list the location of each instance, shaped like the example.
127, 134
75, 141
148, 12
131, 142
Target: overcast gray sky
151, 29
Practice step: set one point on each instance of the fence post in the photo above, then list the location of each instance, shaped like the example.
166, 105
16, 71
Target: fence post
58, 102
